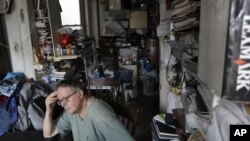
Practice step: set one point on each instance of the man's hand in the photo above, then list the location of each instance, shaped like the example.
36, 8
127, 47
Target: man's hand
49, 129
51, 101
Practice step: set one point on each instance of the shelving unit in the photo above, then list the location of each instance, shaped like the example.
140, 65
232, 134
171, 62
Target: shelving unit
44, 34
44, 28
137, 18
45, 21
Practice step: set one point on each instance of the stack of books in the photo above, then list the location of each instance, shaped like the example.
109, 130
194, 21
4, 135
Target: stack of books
62, 74
163, 131
185, 15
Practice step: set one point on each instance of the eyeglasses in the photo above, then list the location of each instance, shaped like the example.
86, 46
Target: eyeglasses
64, 100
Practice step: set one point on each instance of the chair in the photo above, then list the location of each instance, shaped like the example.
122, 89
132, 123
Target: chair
128, 116
109, 90
105, 88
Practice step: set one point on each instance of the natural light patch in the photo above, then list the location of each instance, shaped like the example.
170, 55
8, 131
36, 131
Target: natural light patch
70, 14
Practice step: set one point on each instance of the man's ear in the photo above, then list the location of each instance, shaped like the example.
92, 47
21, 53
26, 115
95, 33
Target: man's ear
81, 93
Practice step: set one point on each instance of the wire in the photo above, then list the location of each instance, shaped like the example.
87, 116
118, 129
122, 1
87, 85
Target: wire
179, 69
168, 63
167, 71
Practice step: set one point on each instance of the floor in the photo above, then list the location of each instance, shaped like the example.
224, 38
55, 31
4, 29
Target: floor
149, 106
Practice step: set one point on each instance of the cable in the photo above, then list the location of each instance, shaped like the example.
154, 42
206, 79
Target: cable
179, 79
178, 70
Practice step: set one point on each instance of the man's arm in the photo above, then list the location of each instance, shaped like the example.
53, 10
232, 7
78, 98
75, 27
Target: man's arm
49, 129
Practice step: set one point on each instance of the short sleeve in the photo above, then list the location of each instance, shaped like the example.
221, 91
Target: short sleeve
108, 123
62, 124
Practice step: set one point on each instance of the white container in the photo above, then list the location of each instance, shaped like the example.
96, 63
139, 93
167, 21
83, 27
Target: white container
126, 96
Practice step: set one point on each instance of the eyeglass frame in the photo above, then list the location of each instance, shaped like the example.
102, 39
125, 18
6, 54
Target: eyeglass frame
59, 102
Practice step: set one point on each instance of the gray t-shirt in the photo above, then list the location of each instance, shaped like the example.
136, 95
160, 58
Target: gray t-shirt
100, 123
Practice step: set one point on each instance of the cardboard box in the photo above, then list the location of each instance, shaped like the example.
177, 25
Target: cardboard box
139, 19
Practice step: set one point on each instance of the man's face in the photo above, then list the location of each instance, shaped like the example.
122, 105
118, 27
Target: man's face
70, 99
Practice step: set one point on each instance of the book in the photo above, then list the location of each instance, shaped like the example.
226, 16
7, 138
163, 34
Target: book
156, 137
176, 2
164, 129
160, 118
192, 25
185, 2
185, 22
181, 10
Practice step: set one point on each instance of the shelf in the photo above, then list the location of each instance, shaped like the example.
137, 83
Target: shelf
131, 47
120, 19
43, 18
122, 65
88, 55
62, 57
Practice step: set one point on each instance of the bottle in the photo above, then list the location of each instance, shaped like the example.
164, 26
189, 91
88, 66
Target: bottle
52, 71
68, 49
58, 50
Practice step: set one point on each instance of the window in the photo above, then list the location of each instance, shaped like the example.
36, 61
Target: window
70, 15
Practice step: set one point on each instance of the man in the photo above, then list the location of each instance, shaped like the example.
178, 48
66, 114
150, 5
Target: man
87, 117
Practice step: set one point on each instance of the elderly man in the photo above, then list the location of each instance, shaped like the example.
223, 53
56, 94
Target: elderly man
87, 117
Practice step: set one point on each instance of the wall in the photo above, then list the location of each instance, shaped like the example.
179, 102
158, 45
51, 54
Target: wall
93, 19
213, 37
19, 38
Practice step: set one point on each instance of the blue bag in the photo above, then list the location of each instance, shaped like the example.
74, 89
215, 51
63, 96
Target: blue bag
8, 111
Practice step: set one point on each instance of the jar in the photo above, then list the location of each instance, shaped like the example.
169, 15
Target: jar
68, 51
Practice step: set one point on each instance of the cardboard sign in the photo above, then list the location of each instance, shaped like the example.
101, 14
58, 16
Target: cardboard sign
236, 84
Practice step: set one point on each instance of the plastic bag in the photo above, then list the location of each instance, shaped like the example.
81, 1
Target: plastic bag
113, 28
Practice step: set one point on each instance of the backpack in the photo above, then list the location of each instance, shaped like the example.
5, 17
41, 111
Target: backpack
8, 111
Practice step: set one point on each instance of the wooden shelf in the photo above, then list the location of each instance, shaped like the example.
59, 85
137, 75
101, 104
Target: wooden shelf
62, 57
42, 18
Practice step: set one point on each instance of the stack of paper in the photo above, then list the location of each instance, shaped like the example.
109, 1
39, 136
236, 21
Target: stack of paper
64, 73
184, 15
60, 75
185, 9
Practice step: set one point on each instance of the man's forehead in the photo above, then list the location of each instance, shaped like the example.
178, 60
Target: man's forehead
64, 91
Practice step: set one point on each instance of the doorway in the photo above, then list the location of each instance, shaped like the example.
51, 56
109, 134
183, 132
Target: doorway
5, 63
